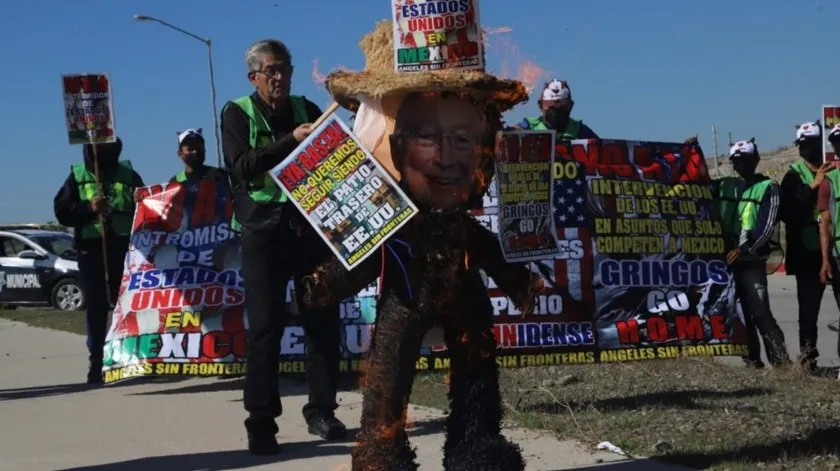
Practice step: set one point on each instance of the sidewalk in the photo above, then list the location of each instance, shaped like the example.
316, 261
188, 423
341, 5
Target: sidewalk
50, 422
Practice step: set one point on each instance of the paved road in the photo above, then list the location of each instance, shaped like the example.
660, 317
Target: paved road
49, 422
785, 309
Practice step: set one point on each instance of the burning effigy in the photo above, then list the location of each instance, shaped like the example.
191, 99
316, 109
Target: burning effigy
434, 131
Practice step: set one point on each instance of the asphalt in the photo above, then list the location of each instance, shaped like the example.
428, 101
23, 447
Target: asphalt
51, 422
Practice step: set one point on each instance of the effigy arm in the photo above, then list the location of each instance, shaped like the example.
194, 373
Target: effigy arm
514, 279
330, 282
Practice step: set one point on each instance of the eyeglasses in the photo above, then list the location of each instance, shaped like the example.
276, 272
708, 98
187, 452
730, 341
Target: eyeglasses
461, 142
277, 72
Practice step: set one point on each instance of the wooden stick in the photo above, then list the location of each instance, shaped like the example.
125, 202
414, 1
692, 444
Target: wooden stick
102, 230
330, 110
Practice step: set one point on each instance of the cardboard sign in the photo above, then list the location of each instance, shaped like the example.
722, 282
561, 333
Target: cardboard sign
346, 195
523, 172
437, 35
88, 108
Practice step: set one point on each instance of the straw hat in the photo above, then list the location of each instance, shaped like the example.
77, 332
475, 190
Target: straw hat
379, 77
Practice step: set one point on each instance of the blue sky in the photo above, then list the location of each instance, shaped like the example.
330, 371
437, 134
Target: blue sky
644, 70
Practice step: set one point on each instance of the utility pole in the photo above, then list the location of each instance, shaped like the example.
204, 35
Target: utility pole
714, 139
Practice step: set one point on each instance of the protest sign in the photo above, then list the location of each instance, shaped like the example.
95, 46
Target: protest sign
523, 172
640, 276
436, 35
88, 108
830, 118
346, 195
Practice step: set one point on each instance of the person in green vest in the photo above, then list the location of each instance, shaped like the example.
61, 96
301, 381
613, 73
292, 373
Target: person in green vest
799, 212
258, 132
748, 206
77, 204
828, 202
192, 151
556, 109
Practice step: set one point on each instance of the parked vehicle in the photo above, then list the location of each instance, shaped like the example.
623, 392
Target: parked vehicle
39, 268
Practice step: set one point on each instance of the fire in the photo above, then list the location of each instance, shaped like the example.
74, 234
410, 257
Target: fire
466, 260
526, 71
317, 76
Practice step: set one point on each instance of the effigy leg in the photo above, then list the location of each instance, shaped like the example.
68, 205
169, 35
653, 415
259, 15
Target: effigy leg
382, 442
473, 428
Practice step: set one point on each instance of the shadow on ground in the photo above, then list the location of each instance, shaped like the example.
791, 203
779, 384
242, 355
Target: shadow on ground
685, 399
33, 392
819, 442
223, 460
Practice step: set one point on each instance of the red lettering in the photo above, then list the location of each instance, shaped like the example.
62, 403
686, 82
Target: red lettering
657, 329
673, 162
161, 299
536, 148
215, 344
72, 84
628, 331
213, 296
462, 49
240, 344
234, 297
650, 169
193, 296
615, 161
689, 327
204, 208
140, 301
718, 327
512, 147
587, 155
161, 209
291, 175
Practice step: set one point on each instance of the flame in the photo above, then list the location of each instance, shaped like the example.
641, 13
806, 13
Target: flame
317, 76
466, 260
526, 71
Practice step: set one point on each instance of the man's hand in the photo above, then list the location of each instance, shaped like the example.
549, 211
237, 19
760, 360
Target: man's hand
302, 131
820, 176
138, 197
98, 205
733, 256
825, 273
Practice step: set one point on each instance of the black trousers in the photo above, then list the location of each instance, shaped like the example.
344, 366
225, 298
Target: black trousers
92, 269
809, 294
269, 260
751, 289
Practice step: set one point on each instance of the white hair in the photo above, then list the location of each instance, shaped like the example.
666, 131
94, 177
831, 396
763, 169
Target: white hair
265, 46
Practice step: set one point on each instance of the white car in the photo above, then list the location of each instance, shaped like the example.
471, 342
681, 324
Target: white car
39, 268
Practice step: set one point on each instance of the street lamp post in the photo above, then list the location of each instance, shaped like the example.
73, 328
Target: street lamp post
206, 42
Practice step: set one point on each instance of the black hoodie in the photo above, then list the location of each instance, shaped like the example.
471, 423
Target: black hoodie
69, 210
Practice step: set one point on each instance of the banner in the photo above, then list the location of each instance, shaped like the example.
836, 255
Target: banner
639, 275
346, 195
523, 174
437, 35
88, 108
830, 118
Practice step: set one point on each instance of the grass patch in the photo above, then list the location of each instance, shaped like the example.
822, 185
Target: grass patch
694, 412
68, 321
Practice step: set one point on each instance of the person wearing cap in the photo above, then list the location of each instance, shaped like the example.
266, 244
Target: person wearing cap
191, 150
556, 107
258, 132
748, 206
78, 205
800, 213
828, 202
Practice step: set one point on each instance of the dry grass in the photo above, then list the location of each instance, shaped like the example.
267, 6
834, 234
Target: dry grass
694, 412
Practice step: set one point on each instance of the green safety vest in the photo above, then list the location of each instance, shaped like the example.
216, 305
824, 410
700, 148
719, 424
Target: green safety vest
834, 207
264, 189
120, 193
811, 230
739, 212
181, 177
571, 131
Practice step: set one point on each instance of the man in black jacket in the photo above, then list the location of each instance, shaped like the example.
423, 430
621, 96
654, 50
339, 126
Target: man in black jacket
258, 132
803, 258
78, 204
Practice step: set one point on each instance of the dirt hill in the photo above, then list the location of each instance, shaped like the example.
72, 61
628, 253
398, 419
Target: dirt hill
773, 164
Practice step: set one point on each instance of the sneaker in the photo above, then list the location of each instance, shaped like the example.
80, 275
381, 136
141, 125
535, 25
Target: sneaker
263, 444
328, 428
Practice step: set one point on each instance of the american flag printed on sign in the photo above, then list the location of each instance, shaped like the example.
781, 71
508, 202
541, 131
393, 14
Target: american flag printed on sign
572, 221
